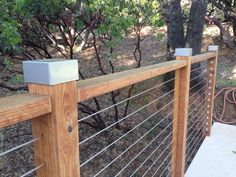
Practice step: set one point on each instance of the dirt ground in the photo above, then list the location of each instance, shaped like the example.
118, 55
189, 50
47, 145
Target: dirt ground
154, 51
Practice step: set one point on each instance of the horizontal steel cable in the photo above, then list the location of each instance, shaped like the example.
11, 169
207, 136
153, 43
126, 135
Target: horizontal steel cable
166, 169
125, 117
201, 67
193, 131
194, 124
169, 172
149, 156
197, 84
203, 73
201, 96
128, 133
193, 138
200, 90
33, 170
20, 146
144, 149
196, 108
130, 147
201, 110
123, 101
198, 143
169, 155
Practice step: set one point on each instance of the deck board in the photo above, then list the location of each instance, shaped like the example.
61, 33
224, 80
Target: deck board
217, 155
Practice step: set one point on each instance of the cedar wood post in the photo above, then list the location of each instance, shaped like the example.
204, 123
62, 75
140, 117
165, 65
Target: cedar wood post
211, 70
58, 149
181, 96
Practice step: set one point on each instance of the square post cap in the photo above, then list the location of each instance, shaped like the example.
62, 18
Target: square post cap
213, 48
50, 72
183, 52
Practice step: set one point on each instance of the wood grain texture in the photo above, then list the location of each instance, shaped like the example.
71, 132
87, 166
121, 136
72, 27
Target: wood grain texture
180, 118
19, 108
104, 84
211, 70
58, 148
203, 57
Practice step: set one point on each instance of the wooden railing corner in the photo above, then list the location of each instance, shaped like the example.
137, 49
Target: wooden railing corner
58, 148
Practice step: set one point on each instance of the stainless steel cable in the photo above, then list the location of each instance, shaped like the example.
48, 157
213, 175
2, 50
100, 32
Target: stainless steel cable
196, 136
197, 84
150, 154
33, 170
159, 157
169, 172
203, 73
194, 123
197, 99
127, 133
148, 158
204, 67
123, 101
188, 148
197, 92
94, 135
193, 131
129, 147
200, 127
201, 120
20, 146
201, 110
161, 163
189, 155
199, 105
166, 169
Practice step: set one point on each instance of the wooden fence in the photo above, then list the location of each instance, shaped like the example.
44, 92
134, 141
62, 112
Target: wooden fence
53, 111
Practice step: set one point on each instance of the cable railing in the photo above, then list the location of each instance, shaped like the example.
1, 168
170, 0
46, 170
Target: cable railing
154, 117
18, 147
17, 153
125, 100
198, 109
126, 117
152, 131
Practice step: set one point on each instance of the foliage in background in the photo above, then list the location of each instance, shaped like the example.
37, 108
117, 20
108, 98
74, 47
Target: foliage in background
42, 29
9, 36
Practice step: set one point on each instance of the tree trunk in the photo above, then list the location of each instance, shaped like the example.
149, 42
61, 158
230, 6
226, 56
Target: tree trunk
196, 25
175, 32
174, 19
194, 36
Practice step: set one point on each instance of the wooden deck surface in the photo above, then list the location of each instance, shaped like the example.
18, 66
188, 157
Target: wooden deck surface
217, 155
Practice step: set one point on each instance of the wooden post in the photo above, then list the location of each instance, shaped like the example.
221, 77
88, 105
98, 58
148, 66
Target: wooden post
180, 118
211, 70
58, 149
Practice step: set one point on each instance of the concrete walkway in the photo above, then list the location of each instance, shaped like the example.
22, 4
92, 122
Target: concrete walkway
217, 155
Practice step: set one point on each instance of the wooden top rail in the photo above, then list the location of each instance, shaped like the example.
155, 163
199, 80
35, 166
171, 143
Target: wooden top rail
19, 108
93, 87
203, 57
